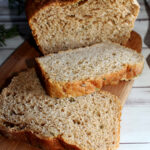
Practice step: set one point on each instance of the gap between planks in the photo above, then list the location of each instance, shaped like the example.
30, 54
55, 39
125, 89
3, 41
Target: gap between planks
137, 143
134, 147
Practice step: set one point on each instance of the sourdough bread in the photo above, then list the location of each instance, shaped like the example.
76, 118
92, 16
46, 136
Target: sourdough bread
28, 114
80, 72
68, 24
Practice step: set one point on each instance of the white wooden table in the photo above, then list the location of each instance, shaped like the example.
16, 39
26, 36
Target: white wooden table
135, 124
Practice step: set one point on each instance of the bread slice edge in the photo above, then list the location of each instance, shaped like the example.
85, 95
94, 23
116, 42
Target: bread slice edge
62, 89
55, 143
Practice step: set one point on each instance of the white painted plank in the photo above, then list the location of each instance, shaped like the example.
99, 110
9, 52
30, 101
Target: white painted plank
143, 28
6, 11
9, 24
144, 79
134, 147
143, 11
12, 17
139, 96
14, 42
135, 124
4, 54
3, 3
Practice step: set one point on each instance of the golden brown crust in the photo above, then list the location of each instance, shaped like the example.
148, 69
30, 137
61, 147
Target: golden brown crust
57, 143
87, 86
33, 6
30, 138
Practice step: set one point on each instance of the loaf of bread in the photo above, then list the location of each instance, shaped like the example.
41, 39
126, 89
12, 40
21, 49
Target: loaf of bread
80, 72
68, 24
28, 114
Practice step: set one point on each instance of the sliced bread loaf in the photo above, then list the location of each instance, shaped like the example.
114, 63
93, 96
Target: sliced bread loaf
80, 72
68, 24
28, 114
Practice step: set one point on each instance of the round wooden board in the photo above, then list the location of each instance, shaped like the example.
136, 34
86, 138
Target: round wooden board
22, 59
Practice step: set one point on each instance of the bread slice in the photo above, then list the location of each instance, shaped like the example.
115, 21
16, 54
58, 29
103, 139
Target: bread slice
68, 24
28, 114
80, 72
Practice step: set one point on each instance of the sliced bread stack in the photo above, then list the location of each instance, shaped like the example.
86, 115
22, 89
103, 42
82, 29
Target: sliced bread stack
86, 122
72, 114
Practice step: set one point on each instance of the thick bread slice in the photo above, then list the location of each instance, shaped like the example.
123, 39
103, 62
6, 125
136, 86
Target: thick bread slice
27, 113
68, 24
82, 71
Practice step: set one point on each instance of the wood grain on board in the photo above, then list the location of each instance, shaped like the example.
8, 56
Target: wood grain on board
23, 58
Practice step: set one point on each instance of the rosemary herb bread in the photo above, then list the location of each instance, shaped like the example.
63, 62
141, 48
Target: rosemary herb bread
81, 71
68, 24
28, 114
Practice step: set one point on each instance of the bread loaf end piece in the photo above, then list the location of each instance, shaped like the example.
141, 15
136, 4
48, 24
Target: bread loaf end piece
61, 25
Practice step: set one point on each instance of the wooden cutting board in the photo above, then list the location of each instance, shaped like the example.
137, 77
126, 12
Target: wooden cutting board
23, 58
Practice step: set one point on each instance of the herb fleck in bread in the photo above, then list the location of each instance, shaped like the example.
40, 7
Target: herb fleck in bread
28, 114
68, 24
80, 72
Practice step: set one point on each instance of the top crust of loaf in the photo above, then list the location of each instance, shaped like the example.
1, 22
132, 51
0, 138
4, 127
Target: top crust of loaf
32, 6
115, 28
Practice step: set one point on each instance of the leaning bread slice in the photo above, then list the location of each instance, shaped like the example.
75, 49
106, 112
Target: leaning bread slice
82, 71
28, 114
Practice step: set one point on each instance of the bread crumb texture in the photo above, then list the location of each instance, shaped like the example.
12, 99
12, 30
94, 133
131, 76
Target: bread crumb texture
87, 122
61, 25
81, 71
